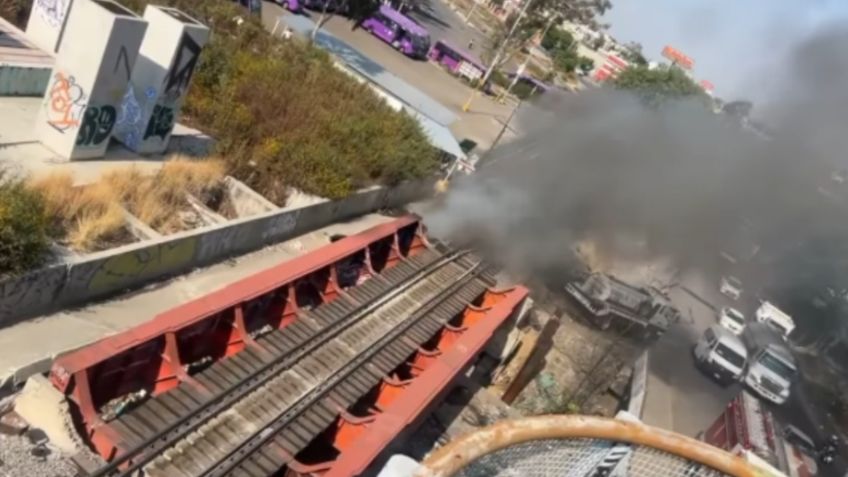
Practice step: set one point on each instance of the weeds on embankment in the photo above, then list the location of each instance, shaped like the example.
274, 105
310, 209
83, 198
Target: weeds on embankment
92, 217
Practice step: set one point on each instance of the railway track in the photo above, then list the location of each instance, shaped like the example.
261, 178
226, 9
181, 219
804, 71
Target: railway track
251, 414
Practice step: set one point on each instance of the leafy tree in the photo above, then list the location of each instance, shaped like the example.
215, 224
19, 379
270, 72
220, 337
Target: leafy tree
537, 16
585, 12
16, 11
599, 42
528, 25
566, 60
586, 65
360, 10
356, 10
658, 84
633, 54
557, 38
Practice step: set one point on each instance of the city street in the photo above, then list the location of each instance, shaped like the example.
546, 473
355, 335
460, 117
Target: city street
484, 119
446, 24
679, 396
682, 399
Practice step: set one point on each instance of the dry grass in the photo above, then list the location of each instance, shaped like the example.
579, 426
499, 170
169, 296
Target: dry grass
88, 218
156, 200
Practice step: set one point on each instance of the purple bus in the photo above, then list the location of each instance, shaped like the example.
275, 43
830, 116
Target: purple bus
536, 85
294, 6
400, 31
456, 60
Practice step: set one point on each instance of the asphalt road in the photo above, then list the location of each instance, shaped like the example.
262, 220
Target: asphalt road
682, 399
679, 396
484, 119
446, 24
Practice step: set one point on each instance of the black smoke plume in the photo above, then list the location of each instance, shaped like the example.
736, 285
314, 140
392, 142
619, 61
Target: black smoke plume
679, 181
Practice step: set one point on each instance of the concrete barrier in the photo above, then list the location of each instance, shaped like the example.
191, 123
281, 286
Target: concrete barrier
110, 272
638, 385
246, 201
31, 294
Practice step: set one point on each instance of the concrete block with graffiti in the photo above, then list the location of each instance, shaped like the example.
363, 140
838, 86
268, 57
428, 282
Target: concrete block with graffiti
99, 45
166, 62
46, 20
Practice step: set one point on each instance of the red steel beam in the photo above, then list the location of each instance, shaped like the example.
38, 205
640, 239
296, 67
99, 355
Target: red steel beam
425, 389
228, 297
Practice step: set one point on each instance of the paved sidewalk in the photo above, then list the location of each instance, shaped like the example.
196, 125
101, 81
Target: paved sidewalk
658, 399
29, 347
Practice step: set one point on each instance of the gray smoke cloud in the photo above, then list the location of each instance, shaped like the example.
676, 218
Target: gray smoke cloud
674, 182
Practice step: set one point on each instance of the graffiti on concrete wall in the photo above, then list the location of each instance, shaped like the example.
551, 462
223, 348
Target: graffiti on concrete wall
161, 122
174, 87
52, 11
135, 267
179, 76
96, 125
129, 118
30, 294
280, 226
65, 102
122, 63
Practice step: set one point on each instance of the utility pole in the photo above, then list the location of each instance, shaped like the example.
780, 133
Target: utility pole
523, 65
498, 54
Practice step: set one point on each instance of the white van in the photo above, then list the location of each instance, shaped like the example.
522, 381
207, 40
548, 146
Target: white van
732, 319
721, 354
772, 315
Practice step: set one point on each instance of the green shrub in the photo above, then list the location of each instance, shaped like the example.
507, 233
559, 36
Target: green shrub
557, 38
523, 90
23, 227
283, 115
500, 79
16, 11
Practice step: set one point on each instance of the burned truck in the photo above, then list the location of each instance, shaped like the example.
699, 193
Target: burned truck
610, 302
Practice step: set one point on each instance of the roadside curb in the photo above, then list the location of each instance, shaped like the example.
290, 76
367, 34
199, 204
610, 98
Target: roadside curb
638, 385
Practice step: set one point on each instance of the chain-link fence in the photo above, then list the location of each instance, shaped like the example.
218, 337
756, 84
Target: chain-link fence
580, 446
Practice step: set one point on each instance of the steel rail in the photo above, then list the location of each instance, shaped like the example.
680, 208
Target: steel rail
269, 431
150, 448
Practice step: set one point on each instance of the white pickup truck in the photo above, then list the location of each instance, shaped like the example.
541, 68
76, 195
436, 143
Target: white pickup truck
771, 367
774, 316
721, 354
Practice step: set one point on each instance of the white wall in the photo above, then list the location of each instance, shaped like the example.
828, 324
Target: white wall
45, 22
92, 70
160, 79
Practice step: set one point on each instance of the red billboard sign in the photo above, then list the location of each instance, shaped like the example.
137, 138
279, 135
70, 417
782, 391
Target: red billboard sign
678, 57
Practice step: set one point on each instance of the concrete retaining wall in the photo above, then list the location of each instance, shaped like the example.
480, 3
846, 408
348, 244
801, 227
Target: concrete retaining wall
111, 272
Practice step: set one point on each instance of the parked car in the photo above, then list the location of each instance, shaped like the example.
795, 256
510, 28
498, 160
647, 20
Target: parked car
731, 287
732, 320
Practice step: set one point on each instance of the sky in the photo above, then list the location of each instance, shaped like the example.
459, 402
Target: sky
738, 45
